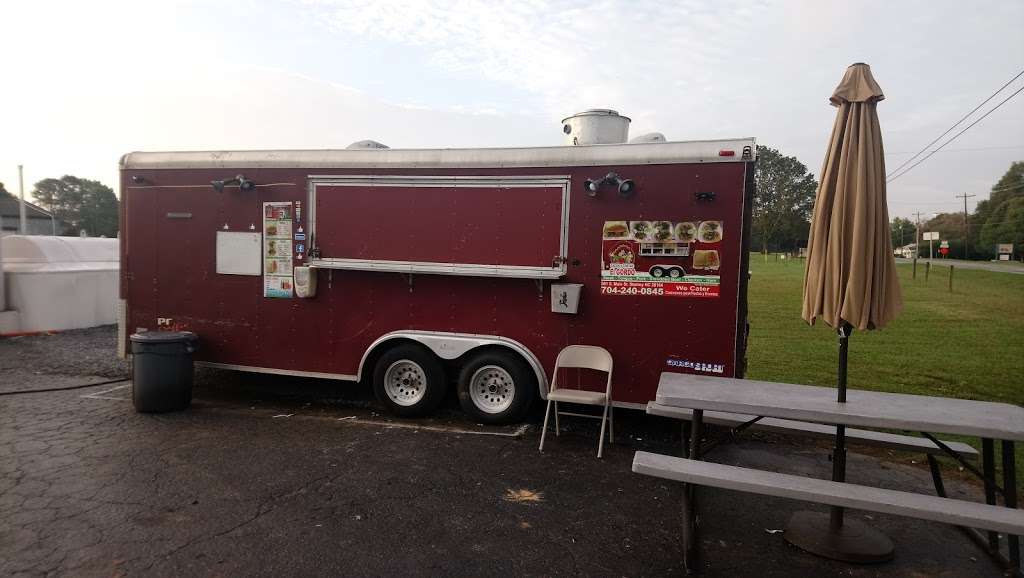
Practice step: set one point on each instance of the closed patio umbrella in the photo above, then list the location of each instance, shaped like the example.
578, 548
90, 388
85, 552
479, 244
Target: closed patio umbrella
849, 282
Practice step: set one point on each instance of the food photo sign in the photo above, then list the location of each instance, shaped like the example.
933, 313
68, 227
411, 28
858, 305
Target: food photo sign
277, 249
661, 258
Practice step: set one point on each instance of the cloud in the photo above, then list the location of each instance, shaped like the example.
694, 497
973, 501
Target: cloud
207, 107
570, 55
106, 76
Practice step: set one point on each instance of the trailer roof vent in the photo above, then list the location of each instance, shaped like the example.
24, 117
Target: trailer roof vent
595, 126
648, 137
367, 144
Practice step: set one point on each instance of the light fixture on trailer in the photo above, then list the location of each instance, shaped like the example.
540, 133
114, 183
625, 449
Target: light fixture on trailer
240, 180
626, 187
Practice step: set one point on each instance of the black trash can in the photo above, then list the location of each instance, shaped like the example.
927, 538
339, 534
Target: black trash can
162, 370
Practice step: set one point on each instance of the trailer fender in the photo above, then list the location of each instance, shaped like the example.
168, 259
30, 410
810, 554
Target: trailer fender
450, 346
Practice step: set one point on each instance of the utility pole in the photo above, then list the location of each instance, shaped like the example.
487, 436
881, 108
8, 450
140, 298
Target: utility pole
917, 241
22, 224
965, 196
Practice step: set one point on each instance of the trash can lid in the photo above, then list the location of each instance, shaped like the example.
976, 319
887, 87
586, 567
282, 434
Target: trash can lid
163, 337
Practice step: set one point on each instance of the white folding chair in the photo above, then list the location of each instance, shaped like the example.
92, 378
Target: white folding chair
583, 357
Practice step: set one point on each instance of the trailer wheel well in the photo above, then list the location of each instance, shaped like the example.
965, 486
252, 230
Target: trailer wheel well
489, 347
451, 348
370, 360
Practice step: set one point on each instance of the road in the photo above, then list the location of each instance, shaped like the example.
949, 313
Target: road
1013, 267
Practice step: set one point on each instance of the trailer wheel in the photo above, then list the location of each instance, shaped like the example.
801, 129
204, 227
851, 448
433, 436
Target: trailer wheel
657, 272
496, 387
675, 272
409, 380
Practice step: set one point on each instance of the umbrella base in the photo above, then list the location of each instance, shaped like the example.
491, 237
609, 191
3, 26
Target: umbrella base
855, 542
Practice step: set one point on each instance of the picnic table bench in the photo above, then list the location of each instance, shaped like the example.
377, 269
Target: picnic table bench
817, 430
807, 409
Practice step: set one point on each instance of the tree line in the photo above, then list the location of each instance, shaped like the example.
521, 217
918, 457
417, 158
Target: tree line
784, 201
77, 205
996, 220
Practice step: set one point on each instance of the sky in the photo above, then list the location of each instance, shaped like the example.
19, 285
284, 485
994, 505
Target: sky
82, 83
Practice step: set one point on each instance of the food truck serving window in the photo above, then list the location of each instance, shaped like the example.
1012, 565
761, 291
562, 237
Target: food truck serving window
507, 226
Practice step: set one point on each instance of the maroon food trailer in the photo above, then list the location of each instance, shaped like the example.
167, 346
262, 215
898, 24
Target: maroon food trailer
422, 270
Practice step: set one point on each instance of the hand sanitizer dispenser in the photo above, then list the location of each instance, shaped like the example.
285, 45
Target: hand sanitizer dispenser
305, 281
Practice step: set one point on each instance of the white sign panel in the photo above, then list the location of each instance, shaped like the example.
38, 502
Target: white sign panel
931, 236
239, 253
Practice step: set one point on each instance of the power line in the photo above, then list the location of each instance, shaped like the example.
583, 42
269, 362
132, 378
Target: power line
954, 137
930, 203
1006, 188
957, 123
1000, 148
925, 203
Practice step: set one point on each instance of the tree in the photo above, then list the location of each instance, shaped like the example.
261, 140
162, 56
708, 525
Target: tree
80, 204
4, 192
1000, 218
902, 232
783, 200
1005, 225
1011, 185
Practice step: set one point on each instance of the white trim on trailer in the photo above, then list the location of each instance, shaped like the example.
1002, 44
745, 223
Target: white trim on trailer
462, 269
561, 156
445, 345
275, 371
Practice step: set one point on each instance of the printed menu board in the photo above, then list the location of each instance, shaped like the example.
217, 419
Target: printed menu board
277, 249
661, 258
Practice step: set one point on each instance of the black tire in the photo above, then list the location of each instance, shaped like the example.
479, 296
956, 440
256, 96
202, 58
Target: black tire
508, 406
675, 273
431, 380
657, 272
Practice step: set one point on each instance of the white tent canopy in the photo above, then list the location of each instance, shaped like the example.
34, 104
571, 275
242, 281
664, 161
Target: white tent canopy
57, 283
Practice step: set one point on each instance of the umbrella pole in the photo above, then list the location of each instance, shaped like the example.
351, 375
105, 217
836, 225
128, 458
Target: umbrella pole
839, 452
833, 536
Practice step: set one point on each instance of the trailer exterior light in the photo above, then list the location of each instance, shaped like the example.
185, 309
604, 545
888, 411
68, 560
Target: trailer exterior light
240, 180
626, 187
726, 153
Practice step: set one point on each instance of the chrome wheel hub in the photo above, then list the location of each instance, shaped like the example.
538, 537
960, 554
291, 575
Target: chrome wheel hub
492, 389
405, 382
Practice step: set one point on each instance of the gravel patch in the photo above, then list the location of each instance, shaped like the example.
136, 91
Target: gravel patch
90, 351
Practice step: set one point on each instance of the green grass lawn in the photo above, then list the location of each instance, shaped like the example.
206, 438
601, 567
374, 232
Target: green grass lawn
966, 344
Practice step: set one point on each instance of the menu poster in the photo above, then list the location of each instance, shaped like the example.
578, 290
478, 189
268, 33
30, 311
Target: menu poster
277, 249
661, 258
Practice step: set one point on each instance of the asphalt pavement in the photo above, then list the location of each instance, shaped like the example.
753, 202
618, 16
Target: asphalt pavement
275, 476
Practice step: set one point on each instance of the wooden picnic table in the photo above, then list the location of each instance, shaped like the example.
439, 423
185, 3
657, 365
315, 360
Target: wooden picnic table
870, 409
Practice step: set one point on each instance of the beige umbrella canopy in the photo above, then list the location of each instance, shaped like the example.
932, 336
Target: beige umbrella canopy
850, 274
